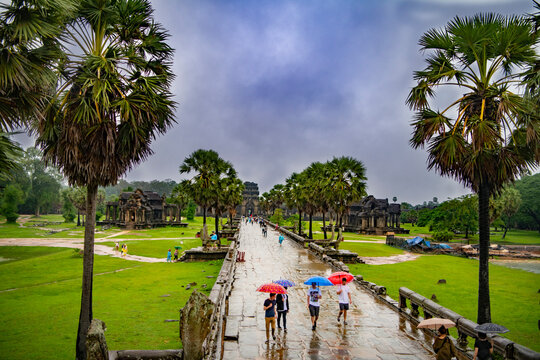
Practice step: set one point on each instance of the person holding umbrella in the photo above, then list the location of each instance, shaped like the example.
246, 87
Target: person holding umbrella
282, 301
443, 346
482, 347
313, 297
344, 294
270, 316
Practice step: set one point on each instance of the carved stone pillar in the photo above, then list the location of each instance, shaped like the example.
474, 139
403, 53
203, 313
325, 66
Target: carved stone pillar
414, 311
107, 212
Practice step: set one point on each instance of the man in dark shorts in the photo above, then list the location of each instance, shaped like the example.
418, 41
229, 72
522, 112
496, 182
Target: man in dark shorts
270, 316
344, 294
314, 294
483, 348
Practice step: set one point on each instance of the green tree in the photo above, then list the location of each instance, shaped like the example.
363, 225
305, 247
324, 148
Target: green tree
180, 196
528, 215
508, 203
277, 217
295, 196
231, 195
111, 100
68, 210
209, 168
10, 155
494, 137
346, 184
12, 197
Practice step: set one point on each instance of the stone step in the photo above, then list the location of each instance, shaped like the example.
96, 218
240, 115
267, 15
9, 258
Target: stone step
232, 328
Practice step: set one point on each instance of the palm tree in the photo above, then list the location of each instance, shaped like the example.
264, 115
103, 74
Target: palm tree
295, 195
315, 181
180, 197
28, 45
209, 169
346, 184
232, 195
494, 137
112, 99
277, 196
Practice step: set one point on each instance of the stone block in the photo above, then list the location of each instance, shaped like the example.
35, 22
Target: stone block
195, 324
232, 328
96, 346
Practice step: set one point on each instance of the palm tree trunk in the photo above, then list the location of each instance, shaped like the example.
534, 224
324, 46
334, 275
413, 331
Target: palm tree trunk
484, 309
216, 223
299, 223
505, 230
204, 216
310, 225
332, 225
37, 211
85, 316
339, 226
78, 217
324, 225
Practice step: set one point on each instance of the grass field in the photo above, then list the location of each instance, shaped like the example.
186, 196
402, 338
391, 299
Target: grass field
39, 318
514, 293
367, 249
513, 237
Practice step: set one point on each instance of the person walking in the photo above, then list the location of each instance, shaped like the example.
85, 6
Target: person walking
116, 247
175, 254
482, 347
270, 315
443, 346
313, 297
344, 294
124, 250
282, 301
281, 238
169, 256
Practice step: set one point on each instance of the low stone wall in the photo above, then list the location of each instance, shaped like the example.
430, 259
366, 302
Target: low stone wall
219, 295
199, 254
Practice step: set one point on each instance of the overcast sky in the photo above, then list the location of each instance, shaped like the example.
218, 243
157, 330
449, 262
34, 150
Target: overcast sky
275, 85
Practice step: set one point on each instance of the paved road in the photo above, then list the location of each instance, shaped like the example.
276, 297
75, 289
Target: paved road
374, 331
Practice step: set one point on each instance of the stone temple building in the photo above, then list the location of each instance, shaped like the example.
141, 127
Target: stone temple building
374, 216
250, 204
141, 209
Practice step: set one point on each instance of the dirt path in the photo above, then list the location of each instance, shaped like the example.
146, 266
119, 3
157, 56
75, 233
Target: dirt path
386, 260
77, 244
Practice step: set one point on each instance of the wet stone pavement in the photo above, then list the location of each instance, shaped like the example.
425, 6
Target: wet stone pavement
374, 331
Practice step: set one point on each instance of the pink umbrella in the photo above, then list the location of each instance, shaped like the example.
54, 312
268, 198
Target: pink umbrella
337, 277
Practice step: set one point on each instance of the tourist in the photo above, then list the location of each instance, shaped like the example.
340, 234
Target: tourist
124, 250
314, 294
214, 239
482, 347
169, 256
116, 247
282, 301
270, 316
344, 294
443, 346
281, 238
175, 254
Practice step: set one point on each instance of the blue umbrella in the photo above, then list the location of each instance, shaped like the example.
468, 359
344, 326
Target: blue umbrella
319, 280
284, 283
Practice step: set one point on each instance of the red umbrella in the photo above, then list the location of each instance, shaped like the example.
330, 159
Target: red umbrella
272, 288
336, 277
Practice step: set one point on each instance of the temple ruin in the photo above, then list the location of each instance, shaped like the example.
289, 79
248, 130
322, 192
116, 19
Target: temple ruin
250, 203
140, 210
374, 216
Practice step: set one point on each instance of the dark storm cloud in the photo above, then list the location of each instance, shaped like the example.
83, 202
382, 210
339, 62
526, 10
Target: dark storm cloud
275, 85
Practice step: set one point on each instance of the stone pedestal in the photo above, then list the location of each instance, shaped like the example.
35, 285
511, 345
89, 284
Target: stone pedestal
195, 322
96, 346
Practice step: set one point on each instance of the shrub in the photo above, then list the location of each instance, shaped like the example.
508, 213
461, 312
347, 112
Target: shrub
443, 235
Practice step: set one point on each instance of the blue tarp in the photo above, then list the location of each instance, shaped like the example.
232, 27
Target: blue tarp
414, 241
421, 242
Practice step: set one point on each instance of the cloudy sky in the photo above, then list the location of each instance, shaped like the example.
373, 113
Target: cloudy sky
275, 85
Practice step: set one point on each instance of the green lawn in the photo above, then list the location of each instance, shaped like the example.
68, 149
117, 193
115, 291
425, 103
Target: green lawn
514, 293
39, 319
366, 249
158, 248
525, 237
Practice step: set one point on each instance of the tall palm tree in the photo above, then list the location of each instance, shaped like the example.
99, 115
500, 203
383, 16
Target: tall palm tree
277, 196
221, 188
493, 136
231, 194
209, 168
315, 181
112, 99
295, 195
28, 47
180, 197
346, 184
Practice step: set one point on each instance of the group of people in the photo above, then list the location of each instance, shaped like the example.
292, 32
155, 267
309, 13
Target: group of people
276, 307
123, 251
169, 256
445, 350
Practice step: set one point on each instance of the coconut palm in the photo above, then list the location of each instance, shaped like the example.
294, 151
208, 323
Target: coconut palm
489, 135
346, 184
295, 195
276, 196
112, 99
209, 168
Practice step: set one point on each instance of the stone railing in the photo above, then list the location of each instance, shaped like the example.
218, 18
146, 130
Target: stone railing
219, 295
465, 327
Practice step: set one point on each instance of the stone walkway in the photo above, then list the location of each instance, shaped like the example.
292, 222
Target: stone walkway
374, 331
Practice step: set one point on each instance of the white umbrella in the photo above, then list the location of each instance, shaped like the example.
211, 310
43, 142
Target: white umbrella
435, 323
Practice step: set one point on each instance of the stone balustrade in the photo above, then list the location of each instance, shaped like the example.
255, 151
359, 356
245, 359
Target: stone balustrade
465, 327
